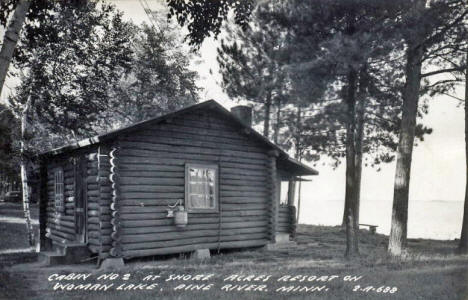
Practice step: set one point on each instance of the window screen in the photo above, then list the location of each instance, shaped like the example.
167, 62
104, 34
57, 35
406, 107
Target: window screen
59, 205
201, 192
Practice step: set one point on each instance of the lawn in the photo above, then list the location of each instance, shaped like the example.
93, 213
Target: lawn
313, 269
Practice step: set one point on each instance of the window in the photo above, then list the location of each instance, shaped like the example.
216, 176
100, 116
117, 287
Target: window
59, 205
201, 188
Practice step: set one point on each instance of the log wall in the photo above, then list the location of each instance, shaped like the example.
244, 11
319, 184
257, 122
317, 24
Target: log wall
60, 226
151, 175
105, 199
93, 205
286, 219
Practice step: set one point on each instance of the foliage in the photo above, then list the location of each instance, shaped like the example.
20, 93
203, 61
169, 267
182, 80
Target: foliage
88, 71
251, 62
8, 139
205, 17
68, 62
160, 79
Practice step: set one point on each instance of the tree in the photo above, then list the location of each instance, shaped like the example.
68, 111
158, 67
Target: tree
66, 69
463, 245
11, 36
425, 30
159, 80
344, 38
205, 17
9, 163
250, 63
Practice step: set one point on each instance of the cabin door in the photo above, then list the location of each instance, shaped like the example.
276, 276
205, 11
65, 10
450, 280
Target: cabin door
80, 199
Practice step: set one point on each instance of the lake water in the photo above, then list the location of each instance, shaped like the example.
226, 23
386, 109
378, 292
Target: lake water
426, 219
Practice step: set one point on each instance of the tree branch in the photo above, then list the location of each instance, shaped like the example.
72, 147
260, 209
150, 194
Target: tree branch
449, 70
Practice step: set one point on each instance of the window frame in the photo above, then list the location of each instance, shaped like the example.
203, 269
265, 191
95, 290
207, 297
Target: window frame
188, 206
59, 204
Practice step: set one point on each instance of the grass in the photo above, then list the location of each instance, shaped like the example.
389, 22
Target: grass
12, 236
430, 270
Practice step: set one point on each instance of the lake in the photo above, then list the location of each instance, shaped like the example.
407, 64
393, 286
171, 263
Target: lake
426, 219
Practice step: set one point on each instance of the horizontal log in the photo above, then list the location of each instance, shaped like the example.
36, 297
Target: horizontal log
249, 206
177, 235
244, 200
199, 154
150, 168
105, 189
200, 142
144, 216
153, 172
242, 193
54, 226
226, 176
134, 160
94, 220
93, 199
190, 227
57, 239
151, 188
92, 186
104, 210
124, 180
170, 228
147, 202
106, 231
93, 193
167, 222
93, 206
103, 179
105, 224
62, 234
93, 213
61, 223
152, 195
196, 129
252, 187
238, 213
194, 218
93, 227
193, 240
188, 248
188, 129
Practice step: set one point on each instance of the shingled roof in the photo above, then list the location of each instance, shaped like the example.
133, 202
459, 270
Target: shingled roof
284, 159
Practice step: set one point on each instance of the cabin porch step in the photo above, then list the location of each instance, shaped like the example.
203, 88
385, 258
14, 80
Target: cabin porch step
69, 254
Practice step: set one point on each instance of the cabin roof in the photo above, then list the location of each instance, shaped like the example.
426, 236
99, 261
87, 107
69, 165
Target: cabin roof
294, 166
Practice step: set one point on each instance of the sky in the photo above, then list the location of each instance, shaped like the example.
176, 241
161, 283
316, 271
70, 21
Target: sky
438, 175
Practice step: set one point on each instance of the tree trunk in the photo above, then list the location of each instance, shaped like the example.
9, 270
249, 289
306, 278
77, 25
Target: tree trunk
278, 122
463, 246
363, 83
398, 232
266, 121
24, 172
297, 156
10, 39
360, 111
299, 200
352, 228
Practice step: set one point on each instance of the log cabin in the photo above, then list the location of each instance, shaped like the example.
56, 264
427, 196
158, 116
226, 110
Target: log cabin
197, 178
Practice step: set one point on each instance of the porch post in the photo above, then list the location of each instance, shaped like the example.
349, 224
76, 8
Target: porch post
273, 190
291, 206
